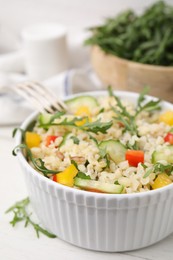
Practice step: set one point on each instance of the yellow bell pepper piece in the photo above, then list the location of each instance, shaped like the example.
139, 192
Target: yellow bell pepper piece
67, 176
161, 181
83, 111
167, 117
32, 139
82, 121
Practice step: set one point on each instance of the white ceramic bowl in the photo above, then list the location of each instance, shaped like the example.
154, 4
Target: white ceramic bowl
97, 221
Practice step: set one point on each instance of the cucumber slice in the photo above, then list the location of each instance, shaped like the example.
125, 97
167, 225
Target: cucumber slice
44, 118
97, 185
114, 149
165, 154
75, 103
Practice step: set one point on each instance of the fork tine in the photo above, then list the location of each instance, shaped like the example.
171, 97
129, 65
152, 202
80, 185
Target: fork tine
45, 97
37, 95
50, 96
33, 93
32, 100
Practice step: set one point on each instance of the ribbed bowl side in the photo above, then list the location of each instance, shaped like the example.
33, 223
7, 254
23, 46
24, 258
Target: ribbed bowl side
104, 223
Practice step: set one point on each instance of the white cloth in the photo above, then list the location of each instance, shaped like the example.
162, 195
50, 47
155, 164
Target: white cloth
15, 109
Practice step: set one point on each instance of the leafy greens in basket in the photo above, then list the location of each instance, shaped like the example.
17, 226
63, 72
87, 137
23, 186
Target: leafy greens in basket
146, 38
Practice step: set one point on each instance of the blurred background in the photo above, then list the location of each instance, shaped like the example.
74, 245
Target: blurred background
76, 15
78, 75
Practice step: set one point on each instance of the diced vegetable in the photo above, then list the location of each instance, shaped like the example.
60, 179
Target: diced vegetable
44, 118
165, 154
169, 138
114, 149
92, 185
167, 117
50, 139
134, 157
67, 176
83, 111
32, 139
161, 181
82, 101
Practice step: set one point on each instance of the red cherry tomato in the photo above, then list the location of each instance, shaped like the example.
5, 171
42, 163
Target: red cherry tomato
134, 157
169, 138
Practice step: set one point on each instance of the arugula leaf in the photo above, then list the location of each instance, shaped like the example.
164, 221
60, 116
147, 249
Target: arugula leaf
128, 120
75, 139
110, 91
160, 168
94, 127
46, 118
107, 160
56, 115
75, 164
82, 175
149, 106
141, 97
104, 155
17, 129
37, 162
19, 209
148, 172
101, 110
143, 165
97, 126
94, 139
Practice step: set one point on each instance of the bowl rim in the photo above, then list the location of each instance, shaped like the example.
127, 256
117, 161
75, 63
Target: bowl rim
22, 159
132, 63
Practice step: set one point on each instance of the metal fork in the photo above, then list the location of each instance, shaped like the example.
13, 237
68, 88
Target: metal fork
42, 99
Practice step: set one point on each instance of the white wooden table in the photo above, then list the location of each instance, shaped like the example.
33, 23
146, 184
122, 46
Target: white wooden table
21, 243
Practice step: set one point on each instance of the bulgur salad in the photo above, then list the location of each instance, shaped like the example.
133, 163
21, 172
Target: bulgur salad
104, 144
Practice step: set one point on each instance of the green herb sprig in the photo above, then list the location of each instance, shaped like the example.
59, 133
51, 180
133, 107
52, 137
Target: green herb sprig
19, 209
159, 168
128, 120
15, 130
145, 38
75, 139
82, 175
37, 162
94, 127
